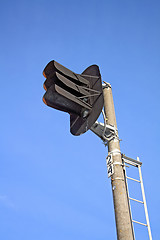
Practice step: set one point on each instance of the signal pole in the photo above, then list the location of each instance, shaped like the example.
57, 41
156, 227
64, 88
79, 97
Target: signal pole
81, 95
120, 198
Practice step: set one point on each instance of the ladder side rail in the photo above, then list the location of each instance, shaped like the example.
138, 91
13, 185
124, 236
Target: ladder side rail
144, 200
127, 190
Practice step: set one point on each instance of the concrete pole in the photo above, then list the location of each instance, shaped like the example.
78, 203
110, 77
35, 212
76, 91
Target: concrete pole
120, 198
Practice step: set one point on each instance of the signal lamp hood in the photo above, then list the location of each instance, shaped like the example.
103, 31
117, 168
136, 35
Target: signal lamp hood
80, 95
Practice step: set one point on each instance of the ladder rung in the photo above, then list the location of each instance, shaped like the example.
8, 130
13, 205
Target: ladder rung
131, 160
139, 223
133, 179
129, 163
135, 200
126, 165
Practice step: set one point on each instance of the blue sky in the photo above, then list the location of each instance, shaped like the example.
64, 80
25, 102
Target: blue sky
54, 185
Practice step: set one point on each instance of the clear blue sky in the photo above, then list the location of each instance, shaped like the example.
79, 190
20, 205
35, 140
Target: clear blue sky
54, 185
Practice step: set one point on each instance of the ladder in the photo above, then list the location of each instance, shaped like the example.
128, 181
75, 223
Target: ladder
107, 133
137, 164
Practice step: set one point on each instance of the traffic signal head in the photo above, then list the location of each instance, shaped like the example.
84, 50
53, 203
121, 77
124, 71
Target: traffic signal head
80, 95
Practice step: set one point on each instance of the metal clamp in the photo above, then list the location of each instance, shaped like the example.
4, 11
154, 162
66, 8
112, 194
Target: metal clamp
115, 151
105, 131
105, 84
118, 163
117, 179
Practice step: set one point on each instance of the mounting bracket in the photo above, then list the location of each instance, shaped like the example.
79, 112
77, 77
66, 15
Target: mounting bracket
104, 131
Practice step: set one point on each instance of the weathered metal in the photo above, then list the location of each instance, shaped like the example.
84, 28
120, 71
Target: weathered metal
80, 95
